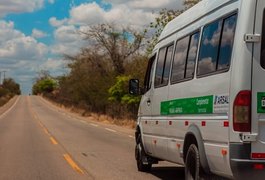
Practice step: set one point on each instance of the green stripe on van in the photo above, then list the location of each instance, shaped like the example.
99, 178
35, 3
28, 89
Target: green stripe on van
196, 105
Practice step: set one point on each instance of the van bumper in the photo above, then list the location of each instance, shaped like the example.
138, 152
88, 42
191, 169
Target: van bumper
241, 164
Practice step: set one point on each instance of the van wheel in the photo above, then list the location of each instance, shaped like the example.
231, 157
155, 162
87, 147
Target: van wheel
192, 163
141, 158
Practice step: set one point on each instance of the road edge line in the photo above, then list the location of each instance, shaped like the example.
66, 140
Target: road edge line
8, 110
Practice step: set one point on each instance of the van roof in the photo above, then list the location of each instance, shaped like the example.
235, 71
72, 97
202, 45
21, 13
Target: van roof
191, 15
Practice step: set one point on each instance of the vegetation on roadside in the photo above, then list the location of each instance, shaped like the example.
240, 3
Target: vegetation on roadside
44, 84
99, 73
8, 89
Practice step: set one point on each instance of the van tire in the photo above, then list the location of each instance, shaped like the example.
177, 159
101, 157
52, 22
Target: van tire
192, 163
141, 158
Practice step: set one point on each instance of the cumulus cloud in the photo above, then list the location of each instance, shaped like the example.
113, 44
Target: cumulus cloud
214, 40
53, 64
228, 35
19, 53
90, 13
15, 6
16, 45
134, 14
68, 40
56, 23
206, 65
38, 33
159, 4
138, 13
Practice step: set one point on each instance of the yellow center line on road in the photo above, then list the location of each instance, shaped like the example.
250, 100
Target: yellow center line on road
41, 125
53, 141
46, 131
73, 164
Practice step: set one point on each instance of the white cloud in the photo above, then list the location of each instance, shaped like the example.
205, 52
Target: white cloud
87, 14
122, 14
206, 65
19, 53
125, 13
68, 40
17, 6
38, 33
53, 64
137, 13
159, 4
228, 35
56, 23
16, 45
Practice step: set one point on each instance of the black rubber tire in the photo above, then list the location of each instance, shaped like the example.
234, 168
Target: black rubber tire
140, 155
192, 163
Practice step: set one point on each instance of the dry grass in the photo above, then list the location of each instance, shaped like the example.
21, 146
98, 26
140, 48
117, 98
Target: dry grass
128, 123
4, 100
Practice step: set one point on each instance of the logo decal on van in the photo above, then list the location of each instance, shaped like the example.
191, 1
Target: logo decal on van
196, 105
221, 103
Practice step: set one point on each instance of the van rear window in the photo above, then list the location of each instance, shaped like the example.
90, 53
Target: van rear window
262, 57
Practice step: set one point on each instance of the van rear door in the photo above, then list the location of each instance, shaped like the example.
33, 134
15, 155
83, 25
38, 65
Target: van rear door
258, 84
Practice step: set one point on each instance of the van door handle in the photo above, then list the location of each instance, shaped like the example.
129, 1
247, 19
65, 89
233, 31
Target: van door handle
148, 102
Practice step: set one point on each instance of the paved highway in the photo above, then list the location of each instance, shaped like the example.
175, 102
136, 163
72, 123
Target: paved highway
41, 141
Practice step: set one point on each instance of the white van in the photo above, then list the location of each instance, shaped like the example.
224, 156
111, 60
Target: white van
203, 104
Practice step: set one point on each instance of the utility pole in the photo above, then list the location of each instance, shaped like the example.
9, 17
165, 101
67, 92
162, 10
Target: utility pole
4, 72
4, 75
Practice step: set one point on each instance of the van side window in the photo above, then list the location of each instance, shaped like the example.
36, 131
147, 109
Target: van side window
227, 42
262, 56
194, 42
178, 68
216, 46
184, 58
149, 73
163, 66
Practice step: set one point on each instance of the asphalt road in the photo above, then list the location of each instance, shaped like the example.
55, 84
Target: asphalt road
41, 141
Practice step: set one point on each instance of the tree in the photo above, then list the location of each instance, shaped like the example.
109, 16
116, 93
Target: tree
119, 92
165, 16
44, 86
11, 86
117, 44
189, 3
44, 83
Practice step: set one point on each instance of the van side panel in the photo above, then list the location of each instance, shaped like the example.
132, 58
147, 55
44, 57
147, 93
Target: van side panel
205, 101
213, 126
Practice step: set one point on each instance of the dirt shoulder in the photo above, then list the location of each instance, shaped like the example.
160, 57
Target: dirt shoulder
5, 107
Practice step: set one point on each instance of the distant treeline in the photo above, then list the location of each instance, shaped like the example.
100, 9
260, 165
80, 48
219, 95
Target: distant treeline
99, 73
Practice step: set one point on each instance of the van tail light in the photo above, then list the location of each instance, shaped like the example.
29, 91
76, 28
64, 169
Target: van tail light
242, 112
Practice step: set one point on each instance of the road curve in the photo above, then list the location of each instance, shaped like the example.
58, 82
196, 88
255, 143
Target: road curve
41, 141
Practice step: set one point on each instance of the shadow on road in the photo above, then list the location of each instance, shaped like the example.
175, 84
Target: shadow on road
168, 173
176, 173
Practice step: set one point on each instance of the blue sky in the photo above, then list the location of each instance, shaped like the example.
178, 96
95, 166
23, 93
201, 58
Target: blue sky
34, 34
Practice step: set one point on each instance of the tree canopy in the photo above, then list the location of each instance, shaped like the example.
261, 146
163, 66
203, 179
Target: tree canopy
98, 75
